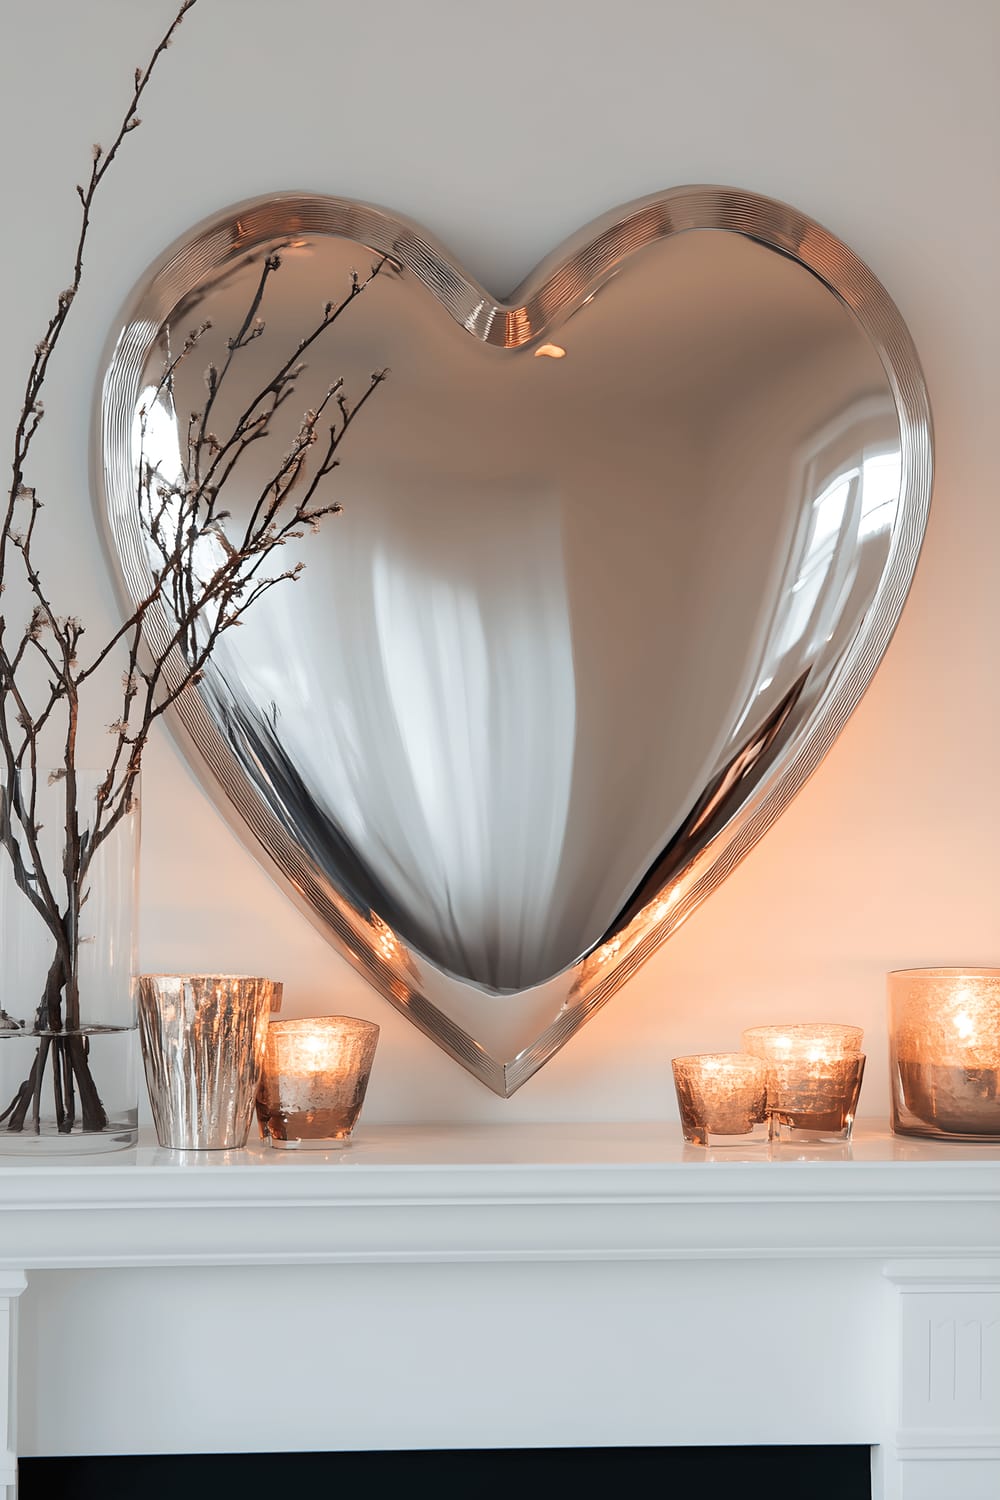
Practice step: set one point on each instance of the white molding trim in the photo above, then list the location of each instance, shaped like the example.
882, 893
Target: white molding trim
12, 1284
956, 1275
941, 1442
504, 1193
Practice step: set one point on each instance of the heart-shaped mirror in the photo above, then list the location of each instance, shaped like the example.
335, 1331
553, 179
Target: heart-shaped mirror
617, 558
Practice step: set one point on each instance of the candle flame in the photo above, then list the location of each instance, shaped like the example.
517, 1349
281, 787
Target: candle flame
317, 1052
964, 1025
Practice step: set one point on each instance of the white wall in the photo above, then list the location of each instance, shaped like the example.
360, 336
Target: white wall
503, 128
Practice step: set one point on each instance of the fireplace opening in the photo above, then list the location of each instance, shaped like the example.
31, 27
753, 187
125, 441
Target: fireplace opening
759, 1473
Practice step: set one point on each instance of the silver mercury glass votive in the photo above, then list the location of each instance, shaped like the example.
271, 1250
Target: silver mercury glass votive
203, 1039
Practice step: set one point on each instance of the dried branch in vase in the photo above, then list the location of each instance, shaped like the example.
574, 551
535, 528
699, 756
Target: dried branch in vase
206, 574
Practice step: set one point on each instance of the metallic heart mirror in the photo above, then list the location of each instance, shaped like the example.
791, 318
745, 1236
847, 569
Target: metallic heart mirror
618, 556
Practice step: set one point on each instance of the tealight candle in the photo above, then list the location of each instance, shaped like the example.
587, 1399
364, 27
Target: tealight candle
722, 1097
814, 1072
945, 1052
315, 1077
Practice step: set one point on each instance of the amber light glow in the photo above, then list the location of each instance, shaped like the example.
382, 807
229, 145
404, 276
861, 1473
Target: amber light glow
944, 1029
814, 1073
722, 1097
315, 1077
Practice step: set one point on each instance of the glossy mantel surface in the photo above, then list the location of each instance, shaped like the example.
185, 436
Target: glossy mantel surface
655, 1148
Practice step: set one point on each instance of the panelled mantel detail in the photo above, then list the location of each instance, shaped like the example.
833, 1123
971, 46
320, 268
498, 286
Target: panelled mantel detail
891, 1245
948, 1440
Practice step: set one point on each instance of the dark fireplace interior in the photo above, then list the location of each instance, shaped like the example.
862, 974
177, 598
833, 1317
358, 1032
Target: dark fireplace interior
760, 1473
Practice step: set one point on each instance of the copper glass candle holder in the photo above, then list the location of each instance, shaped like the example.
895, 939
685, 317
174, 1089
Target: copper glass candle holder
814, 1073
316, 1073
944, 1053
722, 1097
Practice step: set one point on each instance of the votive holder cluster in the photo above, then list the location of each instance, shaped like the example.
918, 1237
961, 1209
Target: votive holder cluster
214, 1051
795, 1083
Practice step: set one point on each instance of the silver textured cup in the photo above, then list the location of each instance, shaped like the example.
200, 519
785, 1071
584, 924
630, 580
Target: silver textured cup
203, 1040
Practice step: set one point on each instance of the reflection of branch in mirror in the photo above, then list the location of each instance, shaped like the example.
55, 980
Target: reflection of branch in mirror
200, 576
207, 577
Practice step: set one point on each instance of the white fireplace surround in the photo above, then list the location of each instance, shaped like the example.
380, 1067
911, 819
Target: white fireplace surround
510, 1286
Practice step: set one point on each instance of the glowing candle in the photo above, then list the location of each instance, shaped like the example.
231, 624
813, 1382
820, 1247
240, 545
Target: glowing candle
814, 1073
945, 1052
315, 1077
722, 1097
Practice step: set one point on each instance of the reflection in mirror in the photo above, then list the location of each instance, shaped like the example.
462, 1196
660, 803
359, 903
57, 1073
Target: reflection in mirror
577, 618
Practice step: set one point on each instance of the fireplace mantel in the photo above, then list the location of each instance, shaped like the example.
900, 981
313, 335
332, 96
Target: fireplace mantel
521, 1192
924, 1218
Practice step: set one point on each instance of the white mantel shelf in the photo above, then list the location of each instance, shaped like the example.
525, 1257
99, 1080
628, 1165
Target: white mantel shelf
874, 1271
521, 1192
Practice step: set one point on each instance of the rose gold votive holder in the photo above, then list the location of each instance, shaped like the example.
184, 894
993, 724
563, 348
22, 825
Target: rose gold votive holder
722, 1097
814, 1073
316, 1073
944, 1053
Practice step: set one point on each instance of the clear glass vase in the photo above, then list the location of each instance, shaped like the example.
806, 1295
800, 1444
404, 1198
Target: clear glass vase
69, 1073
